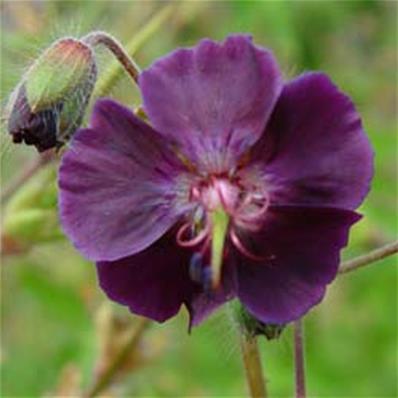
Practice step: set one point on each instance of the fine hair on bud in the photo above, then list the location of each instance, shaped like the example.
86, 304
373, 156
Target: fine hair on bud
49, 103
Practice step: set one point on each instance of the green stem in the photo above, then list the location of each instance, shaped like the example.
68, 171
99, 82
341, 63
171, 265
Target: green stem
369, 258
252, 364
299, 359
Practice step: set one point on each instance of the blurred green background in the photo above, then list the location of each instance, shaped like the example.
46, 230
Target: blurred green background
57, 327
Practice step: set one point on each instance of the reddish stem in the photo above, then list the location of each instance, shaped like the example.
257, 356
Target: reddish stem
299, 359
369, 258
105, 39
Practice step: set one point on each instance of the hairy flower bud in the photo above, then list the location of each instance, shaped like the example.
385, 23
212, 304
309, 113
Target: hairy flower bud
49, 103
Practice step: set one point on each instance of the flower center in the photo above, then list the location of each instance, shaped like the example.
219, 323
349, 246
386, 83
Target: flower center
243, 201
223, 206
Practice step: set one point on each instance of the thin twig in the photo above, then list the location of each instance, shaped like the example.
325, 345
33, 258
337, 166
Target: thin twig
369, 258
299, 359
131, 344
31, 169
253, 368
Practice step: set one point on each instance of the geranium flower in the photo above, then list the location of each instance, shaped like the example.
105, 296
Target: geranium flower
242, 185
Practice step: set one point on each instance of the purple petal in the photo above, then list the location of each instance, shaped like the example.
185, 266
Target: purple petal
202, 303
117, 185
301, 249
316, 149
153, 283
213, 100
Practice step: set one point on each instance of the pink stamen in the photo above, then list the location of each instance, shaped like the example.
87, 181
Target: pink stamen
251, 219
190, 242
257, 213
238, 244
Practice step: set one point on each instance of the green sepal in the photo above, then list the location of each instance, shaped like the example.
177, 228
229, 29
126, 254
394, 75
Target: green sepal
251, 326
66, 66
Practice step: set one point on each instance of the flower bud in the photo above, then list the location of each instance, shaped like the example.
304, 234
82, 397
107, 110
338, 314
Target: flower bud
49, 103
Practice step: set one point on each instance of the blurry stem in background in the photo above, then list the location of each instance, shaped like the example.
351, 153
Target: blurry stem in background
105, 39
369, 258
112, 74
252, 364
31, 169
299, 359
131, 344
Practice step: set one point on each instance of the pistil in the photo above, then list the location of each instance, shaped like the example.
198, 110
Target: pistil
219, 229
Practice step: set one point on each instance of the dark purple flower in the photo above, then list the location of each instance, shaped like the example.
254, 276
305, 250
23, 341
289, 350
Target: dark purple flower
244, 186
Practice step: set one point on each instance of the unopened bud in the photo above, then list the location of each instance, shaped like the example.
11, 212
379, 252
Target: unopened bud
49, 103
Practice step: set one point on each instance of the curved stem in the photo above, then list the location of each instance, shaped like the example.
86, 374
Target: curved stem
299, 359
131, 344
253, 368
112, 74
373, 256
107, 40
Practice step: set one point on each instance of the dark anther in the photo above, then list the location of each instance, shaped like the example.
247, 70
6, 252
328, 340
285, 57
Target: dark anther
195, 267
207, 278
200, 272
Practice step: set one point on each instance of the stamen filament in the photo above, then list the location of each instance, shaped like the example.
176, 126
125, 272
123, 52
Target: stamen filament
193, 241
238, 244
